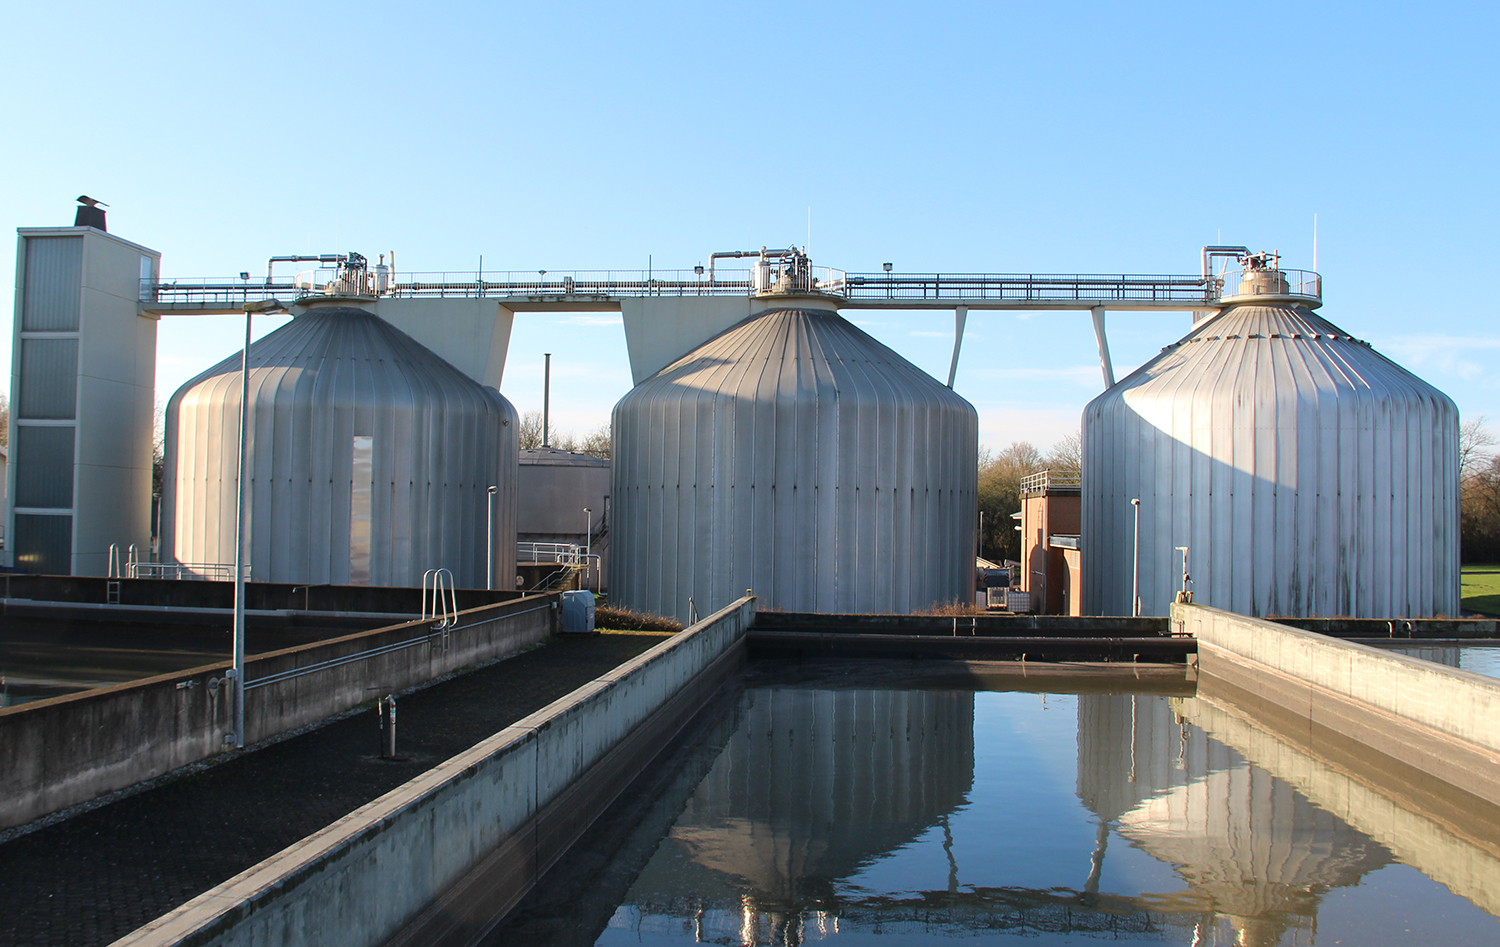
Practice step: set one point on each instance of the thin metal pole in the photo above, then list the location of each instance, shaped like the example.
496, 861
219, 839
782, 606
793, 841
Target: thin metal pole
489, 541
1135, 572
546, 395
239, 544
588, 539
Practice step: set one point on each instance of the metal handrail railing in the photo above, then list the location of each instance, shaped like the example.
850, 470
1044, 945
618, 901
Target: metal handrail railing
1045, 480
438, 601
1253, 281
187, 571
1014, 287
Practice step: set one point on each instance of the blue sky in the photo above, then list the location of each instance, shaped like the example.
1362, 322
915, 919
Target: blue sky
946, 136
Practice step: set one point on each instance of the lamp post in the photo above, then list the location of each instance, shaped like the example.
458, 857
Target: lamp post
588, 538
1135, 571
489, 539
887, 280
266, 307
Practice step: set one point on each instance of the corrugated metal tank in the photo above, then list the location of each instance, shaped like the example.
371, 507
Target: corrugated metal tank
369, 458
1307, 474
794, 455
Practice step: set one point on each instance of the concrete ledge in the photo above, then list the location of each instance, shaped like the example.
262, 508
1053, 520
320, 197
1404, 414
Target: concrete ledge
1000, 625
1439, 831
1441, 722
490, 819
965, 648
66, 750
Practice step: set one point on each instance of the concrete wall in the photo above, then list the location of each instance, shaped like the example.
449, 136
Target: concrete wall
442, 858
1459, 850
66, 750
1437, 720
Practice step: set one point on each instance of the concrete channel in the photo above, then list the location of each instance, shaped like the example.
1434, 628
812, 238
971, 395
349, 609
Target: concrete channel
443, 858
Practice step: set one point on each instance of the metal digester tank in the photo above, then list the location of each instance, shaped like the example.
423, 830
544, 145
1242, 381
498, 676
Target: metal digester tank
794, 455
369, 460
1306, 473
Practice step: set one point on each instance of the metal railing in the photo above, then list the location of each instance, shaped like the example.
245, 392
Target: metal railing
199, 571
130, 567
438, 601
1027, 287
1046, 480
1093, 289
1268, 282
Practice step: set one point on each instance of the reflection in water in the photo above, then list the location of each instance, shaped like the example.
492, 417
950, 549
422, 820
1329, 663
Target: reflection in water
813, 785
1250, 848
1479, 658
849, 813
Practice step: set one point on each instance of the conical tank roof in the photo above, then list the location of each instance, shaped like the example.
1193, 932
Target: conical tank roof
1307, 473
369, 458
794, 455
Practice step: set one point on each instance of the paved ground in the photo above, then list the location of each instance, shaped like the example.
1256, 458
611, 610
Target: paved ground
98, 876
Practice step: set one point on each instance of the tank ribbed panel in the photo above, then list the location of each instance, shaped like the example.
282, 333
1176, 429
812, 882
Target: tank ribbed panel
1309, 474
439, 439
796, 456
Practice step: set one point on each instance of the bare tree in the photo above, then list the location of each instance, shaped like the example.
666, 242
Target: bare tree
1000, 474
1473, 438
1066, 456
531, 430
595, 443
4, 422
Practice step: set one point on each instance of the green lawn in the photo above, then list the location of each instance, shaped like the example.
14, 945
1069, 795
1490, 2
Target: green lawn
1481, 589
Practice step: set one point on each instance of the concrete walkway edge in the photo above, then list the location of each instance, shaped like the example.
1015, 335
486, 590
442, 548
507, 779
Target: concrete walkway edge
360, 879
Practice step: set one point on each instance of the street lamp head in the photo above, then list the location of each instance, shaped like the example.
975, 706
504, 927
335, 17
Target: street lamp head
492, 490
1135, 502
244, 274
887, 267
265, 307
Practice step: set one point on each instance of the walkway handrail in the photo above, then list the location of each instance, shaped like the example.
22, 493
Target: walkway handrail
438, 601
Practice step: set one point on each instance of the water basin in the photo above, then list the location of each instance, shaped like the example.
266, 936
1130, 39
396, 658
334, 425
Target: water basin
876, 802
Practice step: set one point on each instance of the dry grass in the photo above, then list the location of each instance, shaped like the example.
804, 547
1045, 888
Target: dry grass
952, 609
623, 619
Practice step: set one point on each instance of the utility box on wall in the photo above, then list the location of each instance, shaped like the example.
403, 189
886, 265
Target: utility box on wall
82, 396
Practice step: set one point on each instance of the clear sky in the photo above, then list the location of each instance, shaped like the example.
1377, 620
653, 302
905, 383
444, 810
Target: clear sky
942, 137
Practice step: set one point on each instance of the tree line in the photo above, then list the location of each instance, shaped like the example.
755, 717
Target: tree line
1000, 475
1479, 494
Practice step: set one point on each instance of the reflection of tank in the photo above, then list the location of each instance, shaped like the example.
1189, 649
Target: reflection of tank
1306, 473
788, 805
369, 458
794, 455
1250, 848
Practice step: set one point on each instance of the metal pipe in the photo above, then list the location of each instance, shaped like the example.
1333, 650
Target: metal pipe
1135, 571
546, 395
489, 540
762, 253
239, 542
1212, 251
301, 258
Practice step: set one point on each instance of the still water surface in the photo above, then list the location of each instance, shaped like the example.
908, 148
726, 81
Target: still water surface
862, 806
1479, 658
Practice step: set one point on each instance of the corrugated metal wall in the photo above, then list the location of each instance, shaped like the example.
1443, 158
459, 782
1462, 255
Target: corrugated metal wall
52, 298
1308, 474
796, 456
330, 384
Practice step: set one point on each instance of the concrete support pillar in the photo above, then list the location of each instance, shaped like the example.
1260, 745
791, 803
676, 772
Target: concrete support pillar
960, 316
1104, 362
